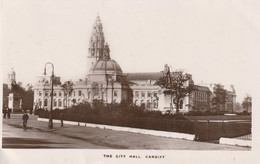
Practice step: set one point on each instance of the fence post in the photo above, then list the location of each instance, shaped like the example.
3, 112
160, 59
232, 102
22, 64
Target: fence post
222, 126
208, 130
174, 126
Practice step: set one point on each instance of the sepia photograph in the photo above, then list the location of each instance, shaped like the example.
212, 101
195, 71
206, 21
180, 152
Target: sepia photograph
129, 81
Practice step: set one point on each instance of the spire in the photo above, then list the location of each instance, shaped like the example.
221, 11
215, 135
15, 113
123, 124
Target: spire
97, 40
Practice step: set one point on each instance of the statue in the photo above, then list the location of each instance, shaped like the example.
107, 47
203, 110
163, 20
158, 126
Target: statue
166, 74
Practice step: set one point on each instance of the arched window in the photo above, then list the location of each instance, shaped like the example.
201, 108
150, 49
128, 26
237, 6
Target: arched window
59, 103
181, 104
45, 102
148, 104
95, 89
64, 102
40, 102
142, 104
155, 104
55, 103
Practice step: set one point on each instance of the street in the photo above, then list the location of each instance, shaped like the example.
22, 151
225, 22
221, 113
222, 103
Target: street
39, 136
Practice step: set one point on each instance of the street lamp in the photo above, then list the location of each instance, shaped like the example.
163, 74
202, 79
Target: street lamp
50, 125
112, 81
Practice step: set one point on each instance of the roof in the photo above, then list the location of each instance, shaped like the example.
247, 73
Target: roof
143, 76
201, 88
106, 65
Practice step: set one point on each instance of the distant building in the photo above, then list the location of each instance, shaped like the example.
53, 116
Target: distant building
201, 97
229, 106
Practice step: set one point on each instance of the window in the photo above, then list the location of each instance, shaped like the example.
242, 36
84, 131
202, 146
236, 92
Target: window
60, 94
45, 102
89, 93
74, 93
79, 93
55, 103
55, 94
155, 94
64, 102
46, 93
148, 94
40, 103
155, 103
136, 93
143, 94
181, 104
115, 93
59, 103
103, 95
95, 89
148, 104
40, 93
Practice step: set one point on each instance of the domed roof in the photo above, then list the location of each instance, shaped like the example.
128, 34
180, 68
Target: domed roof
109, 66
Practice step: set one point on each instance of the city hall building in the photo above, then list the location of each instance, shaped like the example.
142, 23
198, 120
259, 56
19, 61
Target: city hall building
106, 82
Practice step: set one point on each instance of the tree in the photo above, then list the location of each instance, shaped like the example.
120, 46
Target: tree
220, 97
28, 98
176, 84
17, 88
238, 107
67, 87
247, 103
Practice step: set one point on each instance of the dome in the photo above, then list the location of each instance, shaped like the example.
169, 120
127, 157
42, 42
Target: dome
109, 66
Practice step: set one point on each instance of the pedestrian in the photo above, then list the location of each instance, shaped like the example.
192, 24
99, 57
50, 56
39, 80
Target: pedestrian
61, 119
5, 112
8, 112
25, 118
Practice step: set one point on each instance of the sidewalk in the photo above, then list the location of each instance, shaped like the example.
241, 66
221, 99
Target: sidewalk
39, 136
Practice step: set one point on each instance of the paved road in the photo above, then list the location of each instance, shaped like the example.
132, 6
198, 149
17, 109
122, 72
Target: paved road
39, 136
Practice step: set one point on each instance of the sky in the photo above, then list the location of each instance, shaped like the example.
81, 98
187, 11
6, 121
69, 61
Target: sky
215, 41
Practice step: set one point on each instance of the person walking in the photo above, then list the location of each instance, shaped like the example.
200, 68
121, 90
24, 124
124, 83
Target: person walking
8, 112
25, 118
5, 112
61, 119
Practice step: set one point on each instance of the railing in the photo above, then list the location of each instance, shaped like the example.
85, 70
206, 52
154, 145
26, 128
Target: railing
204, 130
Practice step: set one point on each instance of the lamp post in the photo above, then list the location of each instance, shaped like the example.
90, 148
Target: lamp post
50, 125
111, 80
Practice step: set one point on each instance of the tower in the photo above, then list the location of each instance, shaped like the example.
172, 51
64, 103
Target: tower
11, 78
96, 44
